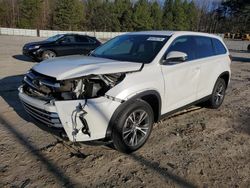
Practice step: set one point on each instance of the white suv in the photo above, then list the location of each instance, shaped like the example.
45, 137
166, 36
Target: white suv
127, 84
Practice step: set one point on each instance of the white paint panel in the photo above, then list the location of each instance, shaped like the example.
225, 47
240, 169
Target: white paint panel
98, 114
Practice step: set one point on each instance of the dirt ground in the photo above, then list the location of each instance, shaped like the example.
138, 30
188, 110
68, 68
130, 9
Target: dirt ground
198, 147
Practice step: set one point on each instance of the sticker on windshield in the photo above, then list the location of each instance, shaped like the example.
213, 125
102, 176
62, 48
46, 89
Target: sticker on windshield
159, 39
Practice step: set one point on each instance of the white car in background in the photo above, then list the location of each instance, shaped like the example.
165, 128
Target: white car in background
127, 84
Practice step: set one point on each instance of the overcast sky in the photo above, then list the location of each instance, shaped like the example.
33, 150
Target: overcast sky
211, 3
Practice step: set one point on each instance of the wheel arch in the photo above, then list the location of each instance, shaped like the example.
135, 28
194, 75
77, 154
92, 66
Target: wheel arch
225, 76
48, 49
152, 97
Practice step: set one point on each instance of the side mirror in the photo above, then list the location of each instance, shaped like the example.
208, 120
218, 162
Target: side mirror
175, 57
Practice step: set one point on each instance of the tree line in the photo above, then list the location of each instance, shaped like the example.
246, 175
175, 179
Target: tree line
125, 15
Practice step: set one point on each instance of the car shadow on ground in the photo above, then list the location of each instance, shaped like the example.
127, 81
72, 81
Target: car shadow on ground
22, 58
238, 51
163, 172
242, 59
52, 168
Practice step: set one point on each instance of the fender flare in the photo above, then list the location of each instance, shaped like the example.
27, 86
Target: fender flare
128, 102
226, 73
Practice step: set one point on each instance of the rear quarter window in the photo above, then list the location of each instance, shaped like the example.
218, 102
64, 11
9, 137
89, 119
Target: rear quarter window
204, 47
219, 48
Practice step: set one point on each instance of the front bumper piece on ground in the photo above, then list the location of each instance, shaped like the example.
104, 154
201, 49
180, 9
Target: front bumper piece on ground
82, 120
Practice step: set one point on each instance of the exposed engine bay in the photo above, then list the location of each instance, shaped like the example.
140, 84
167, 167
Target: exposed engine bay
48, 88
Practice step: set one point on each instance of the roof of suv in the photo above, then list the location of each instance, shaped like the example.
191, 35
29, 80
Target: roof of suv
169, 33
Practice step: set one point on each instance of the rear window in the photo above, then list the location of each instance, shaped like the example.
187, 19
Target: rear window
204, 47
218, 47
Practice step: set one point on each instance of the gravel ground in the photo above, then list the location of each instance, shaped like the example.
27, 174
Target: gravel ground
197, 147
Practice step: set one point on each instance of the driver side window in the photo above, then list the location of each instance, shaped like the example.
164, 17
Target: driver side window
68, 39
183, 44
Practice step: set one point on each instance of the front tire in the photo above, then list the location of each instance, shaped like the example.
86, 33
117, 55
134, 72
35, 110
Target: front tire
218, 94
133, 126
48, 54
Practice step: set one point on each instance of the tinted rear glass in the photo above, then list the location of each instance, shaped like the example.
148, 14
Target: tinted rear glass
82, 39
204, 47
219, 47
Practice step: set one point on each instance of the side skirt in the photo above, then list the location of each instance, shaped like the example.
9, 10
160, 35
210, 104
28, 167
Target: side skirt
164, 116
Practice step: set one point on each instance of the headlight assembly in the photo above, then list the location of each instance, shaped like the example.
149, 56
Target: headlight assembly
34, 47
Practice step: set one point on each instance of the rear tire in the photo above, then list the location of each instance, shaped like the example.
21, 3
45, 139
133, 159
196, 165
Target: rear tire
48, 54
218, 94
133, 126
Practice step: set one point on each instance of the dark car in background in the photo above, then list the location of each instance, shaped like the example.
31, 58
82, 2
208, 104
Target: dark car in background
60, 45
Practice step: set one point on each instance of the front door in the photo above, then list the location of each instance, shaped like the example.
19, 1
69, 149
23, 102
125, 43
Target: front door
66, 46
181, 78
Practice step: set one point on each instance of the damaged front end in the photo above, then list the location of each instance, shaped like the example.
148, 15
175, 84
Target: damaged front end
79, 105
87, 87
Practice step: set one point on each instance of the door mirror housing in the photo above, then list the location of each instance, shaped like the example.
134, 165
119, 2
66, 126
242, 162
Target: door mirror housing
175, 57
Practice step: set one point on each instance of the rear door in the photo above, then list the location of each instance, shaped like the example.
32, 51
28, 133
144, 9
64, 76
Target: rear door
181, 79
210, 64
84, 45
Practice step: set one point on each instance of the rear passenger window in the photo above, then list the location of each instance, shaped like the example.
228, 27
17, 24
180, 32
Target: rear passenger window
82, 39
219, 47
91, 41
204, 47
183, 44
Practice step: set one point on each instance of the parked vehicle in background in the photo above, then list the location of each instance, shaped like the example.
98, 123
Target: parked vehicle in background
238, 36
246, 37
227, 35
60, 45
127, 84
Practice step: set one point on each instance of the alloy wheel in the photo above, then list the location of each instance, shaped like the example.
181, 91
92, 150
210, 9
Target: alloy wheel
219, 94
136, 128
49, 55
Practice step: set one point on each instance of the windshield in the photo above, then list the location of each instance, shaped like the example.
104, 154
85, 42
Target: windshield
54, 38
135, 48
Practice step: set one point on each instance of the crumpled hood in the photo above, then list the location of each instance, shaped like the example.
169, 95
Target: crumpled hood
76, 66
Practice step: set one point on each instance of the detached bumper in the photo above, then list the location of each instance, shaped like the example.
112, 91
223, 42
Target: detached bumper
81, 120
